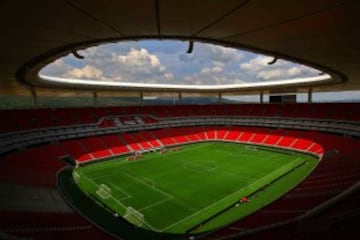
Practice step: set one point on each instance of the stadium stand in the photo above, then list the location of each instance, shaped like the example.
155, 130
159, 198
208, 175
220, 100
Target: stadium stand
49, 225
95, 147
153, 142
15, 120
129, 140
75, 149
114, 144
141, 141
86, 140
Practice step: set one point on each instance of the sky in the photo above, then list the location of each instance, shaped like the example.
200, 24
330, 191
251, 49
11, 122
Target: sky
166, 62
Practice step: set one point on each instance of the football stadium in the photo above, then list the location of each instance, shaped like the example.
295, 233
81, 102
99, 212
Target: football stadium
179, 120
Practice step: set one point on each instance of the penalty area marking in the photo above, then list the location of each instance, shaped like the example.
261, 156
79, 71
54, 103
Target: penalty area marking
121, 190
122, 205
146, 184
152, 186
148, 180
155, 204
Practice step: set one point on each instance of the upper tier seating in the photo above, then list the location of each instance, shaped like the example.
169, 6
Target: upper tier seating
17, 120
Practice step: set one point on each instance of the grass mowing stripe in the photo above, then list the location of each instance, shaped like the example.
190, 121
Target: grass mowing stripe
263, 198
248, 189
179, 152
176, 190
272, 177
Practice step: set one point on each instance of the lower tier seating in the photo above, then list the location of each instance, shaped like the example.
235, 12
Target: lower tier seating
337, 170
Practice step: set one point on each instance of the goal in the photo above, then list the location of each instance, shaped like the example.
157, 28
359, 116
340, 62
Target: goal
252, 148
104, 191
134, 216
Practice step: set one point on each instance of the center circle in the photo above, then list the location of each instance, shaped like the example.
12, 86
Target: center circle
200, 165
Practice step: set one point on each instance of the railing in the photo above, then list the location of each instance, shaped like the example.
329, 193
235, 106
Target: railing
22, 139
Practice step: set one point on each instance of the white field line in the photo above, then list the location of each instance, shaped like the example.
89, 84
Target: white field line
156, 203
196, 213
152, 182
119, 189
201, 145
95, 166
103, 194
170, 197
106, 175
146, 207
122, 205
121, 162
146, 184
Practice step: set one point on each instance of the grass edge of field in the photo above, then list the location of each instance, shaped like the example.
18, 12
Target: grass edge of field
292, 185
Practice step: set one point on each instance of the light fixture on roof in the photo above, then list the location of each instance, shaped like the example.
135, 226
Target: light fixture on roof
191, 46
77, 55
273, 61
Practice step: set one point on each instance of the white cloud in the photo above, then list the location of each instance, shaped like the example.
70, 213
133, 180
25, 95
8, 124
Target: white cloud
57, 68
259, 68
214, 69
139, 58
271, 74
87, 72
256, 64
168, 76
207, 52
208, 64
294, 71
133, 64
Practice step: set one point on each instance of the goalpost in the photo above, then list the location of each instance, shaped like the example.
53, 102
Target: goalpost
252, 147
104, 191
134, 216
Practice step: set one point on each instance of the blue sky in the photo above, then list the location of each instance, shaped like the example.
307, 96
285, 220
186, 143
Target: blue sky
154, 61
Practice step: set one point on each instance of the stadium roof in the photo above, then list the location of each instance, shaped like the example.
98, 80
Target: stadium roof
320, 33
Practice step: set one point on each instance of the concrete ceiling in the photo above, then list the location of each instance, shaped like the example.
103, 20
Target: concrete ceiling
322, 33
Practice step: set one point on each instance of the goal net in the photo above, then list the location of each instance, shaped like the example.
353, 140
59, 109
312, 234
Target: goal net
104, 191
134, 216
252, 148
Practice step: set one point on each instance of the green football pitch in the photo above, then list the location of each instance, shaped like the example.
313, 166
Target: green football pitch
200, 185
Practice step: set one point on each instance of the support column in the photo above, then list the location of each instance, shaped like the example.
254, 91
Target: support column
141, 100
95, 96
33, 97
180, 98
219, 98
261, 97
310, 95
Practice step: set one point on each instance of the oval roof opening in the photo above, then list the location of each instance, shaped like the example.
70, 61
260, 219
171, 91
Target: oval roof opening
175, 64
